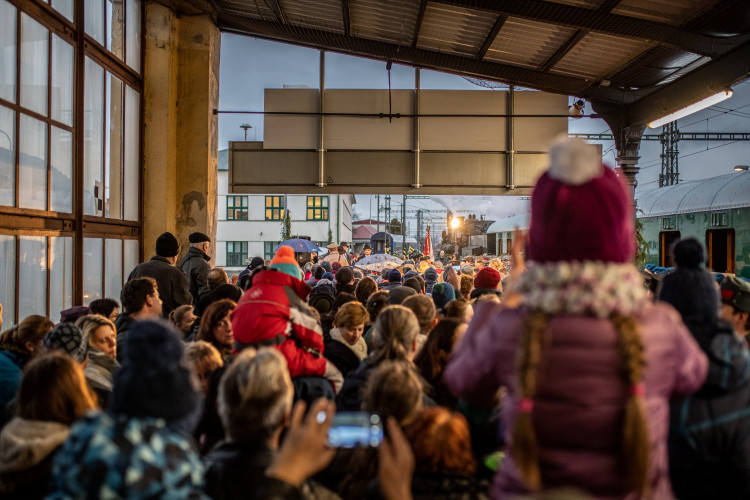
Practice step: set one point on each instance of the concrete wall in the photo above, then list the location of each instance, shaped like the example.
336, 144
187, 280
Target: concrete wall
180, 136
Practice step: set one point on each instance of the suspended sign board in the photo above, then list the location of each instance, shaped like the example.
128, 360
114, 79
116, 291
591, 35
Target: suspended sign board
436, 142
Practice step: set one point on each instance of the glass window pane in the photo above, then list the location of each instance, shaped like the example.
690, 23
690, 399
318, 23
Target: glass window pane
94, 19
113, 152
60, 275
7, 156
93, 140
8, 279
8, 57
133, 37
113, 269
92, 269
130, 258
115, 27
34, 64
32, 165
64, 7
132, 152
61, 156
62, 81
32, 278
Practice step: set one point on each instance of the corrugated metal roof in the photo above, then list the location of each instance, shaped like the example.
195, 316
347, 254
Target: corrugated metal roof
389, 20
527, 43
509, 224
454, 29
316, 14
717, 193
673, 12
598, 56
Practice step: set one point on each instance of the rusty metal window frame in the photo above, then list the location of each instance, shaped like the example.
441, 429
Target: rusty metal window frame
19, 222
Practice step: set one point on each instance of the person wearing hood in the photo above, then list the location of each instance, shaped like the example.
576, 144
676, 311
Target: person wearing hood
53, 395
100, 336
195, 265
141, 447
274, 312
709, 438
589, 363
430, 279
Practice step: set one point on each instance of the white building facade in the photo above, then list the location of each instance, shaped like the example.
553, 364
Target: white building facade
250, 225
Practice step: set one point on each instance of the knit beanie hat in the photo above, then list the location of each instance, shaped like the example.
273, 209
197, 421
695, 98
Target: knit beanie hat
487, 278
285, 262
326, 265
736, 292
153, 381
399, 294
430, 275
394, 276
72, 314
580, 209
69, 339
167, 245
327, 276
690, 288
442, 293
322, 296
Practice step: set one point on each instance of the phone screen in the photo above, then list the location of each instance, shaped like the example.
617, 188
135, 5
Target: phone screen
355, 429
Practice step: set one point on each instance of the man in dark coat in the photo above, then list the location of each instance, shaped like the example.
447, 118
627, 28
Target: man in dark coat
173, 285
195, 264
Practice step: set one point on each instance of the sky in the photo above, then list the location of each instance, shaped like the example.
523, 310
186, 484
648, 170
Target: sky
249, 65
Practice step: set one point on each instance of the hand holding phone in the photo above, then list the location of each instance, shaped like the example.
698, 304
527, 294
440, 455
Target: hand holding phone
355, 429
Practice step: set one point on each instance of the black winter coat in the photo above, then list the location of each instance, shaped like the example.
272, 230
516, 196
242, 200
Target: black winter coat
174, 290
195, 266
236, 471
709, 438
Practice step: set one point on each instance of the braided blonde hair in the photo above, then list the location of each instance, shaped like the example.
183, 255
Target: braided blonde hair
634, 450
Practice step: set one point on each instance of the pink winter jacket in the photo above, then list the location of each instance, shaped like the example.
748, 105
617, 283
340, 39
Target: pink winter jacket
581, 395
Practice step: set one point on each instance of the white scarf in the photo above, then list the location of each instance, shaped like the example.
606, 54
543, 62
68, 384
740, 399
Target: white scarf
359, 349
583, 288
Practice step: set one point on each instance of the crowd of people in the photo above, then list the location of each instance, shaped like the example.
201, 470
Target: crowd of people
575, 375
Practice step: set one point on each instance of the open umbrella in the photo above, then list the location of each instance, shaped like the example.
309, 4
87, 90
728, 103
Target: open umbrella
299, 245
378, 262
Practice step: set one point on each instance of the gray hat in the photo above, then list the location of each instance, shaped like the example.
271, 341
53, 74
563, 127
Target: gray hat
736, 292
69, 339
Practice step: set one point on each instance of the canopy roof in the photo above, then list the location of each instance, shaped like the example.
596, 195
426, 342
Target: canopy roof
717, 193
654, 56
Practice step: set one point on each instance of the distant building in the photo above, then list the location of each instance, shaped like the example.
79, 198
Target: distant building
249, 225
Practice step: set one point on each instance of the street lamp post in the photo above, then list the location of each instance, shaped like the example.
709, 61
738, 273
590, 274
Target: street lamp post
245, 126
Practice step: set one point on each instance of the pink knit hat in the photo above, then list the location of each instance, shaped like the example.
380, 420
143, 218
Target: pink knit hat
580, 209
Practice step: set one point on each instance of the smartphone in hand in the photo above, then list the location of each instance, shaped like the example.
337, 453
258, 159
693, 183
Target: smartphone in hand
355, 429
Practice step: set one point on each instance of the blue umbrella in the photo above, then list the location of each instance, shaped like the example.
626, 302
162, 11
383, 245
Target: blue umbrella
299, 245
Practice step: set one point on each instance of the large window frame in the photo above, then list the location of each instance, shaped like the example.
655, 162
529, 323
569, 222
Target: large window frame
274, 207
317, 207
19, 222
237, 207
234, 257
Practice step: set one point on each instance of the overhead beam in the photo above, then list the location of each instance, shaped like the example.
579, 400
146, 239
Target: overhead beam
491, 36
600, 22
563, 50
418, 25
707, 80
346, 18
422, 58
276, 7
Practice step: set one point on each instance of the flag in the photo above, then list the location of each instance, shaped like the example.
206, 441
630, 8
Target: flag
411, 250
428, 245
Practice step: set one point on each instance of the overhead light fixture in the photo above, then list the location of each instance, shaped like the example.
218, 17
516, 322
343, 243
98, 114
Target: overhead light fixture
576, 110
693, 108
740, 168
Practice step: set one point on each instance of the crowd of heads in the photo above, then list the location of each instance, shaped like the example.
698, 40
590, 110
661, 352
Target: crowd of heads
195, 375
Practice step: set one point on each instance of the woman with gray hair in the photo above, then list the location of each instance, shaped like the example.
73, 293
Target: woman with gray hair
255, 405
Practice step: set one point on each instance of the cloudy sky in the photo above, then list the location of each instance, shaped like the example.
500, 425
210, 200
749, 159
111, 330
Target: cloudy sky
248, 66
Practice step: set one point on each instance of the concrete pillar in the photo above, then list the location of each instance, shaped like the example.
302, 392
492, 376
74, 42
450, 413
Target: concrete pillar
627, 155
180, 141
